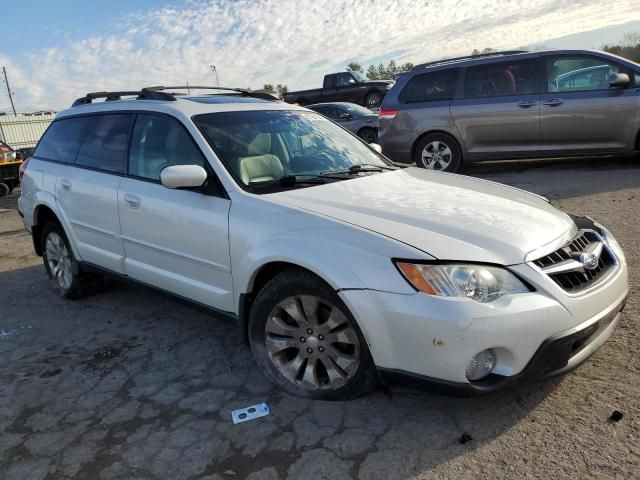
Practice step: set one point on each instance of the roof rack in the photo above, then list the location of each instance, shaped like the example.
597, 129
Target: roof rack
469, 57
242, 91
144, 94
158, 93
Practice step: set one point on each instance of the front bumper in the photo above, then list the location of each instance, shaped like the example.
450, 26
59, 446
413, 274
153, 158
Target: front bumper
557, 355
421, 338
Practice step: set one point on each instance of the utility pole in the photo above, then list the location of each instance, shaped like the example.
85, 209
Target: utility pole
6, 80
215, 70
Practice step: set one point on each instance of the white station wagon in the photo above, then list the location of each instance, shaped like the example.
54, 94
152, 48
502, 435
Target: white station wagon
340, 267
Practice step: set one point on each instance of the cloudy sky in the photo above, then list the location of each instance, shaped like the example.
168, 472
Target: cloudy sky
69, 47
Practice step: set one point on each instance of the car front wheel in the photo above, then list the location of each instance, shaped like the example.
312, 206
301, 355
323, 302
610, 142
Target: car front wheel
306, 341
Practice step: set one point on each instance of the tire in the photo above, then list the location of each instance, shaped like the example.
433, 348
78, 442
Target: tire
369, 135
373, 100
449, 155
61, 266
4, 189
295, 351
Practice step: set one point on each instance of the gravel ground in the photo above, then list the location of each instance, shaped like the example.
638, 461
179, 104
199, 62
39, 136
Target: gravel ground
130, 384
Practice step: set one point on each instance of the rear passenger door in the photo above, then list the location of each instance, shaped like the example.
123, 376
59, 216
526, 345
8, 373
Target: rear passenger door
88, 191
174, 239
580, 112
498, 115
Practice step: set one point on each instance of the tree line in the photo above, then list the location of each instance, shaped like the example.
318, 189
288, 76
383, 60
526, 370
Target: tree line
381, 71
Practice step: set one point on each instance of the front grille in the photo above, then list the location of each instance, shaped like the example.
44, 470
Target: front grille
565, 268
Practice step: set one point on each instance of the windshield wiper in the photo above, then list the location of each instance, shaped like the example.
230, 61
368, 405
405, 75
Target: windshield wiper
290, 181
355, 169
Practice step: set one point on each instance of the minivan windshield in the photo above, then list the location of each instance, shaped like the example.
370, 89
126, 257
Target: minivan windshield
272, 147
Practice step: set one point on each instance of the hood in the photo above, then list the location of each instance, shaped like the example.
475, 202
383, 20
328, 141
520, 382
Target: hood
379, 83
450, 217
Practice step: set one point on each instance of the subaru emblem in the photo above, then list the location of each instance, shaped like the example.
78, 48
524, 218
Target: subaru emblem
589, 260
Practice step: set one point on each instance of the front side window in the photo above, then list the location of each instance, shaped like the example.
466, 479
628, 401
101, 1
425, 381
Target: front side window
500, 79
261, 147
579, 73
343, 79
104, 146
158, 142
428, 87
62, 140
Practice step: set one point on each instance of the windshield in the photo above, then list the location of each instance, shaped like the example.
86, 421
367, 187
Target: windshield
356, 109
262, 147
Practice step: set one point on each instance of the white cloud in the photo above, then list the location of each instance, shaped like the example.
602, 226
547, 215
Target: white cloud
295, 42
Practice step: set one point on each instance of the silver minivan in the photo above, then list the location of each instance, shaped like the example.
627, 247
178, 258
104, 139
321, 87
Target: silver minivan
513, 104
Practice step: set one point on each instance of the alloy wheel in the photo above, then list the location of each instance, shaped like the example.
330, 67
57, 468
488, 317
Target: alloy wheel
436, 155
59, 261
312, 343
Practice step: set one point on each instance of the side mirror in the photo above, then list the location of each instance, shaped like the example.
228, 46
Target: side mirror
352, 81
376, 147
619, 80
345, 116
183, 176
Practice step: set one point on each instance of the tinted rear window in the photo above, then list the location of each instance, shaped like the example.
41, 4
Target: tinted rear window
104, 146
500, 79
62, 140
428, 87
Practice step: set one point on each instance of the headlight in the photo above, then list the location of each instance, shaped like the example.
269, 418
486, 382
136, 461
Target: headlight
612, 242
478, 282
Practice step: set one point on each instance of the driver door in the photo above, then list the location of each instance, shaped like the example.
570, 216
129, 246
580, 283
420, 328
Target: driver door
176, 240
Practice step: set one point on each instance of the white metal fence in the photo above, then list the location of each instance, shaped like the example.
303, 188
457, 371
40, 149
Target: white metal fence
24, 130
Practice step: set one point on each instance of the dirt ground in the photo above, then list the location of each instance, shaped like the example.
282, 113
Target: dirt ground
132, 384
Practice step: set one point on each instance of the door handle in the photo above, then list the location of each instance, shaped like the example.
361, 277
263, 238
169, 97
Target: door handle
554, 102
131, 200
527, 103
66, 184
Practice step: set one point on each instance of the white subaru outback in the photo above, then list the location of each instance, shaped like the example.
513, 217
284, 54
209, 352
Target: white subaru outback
339, 267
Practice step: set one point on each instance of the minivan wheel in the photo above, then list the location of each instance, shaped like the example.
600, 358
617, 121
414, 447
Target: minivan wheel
373, 100
438, 152
61, 266
306, 341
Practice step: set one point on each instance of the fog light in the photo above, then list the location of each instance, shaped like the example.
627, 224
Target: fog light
480, 365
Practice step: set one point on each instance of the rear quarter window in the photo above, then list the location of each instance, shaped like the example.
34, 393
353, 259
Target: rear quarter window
62, 140
429, 87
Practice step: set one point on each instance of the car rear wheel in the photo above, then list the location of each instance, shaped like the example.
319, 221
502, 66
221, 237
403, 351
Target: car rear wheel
438, 151
306, 341
61, 266
373, 100
369, 135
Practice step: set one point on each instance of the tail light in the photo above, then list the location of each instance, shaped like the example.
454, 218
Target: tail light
387, 114
22, 169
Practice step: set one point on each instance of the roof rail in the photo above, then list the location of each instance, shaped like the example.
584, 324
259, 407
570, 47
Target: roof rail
158, 93
242, 91
143, 94
470, 57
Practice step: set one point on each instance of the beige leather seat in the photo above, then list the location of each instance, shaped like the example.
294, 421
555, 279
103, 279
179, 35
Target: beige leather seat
260, 166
